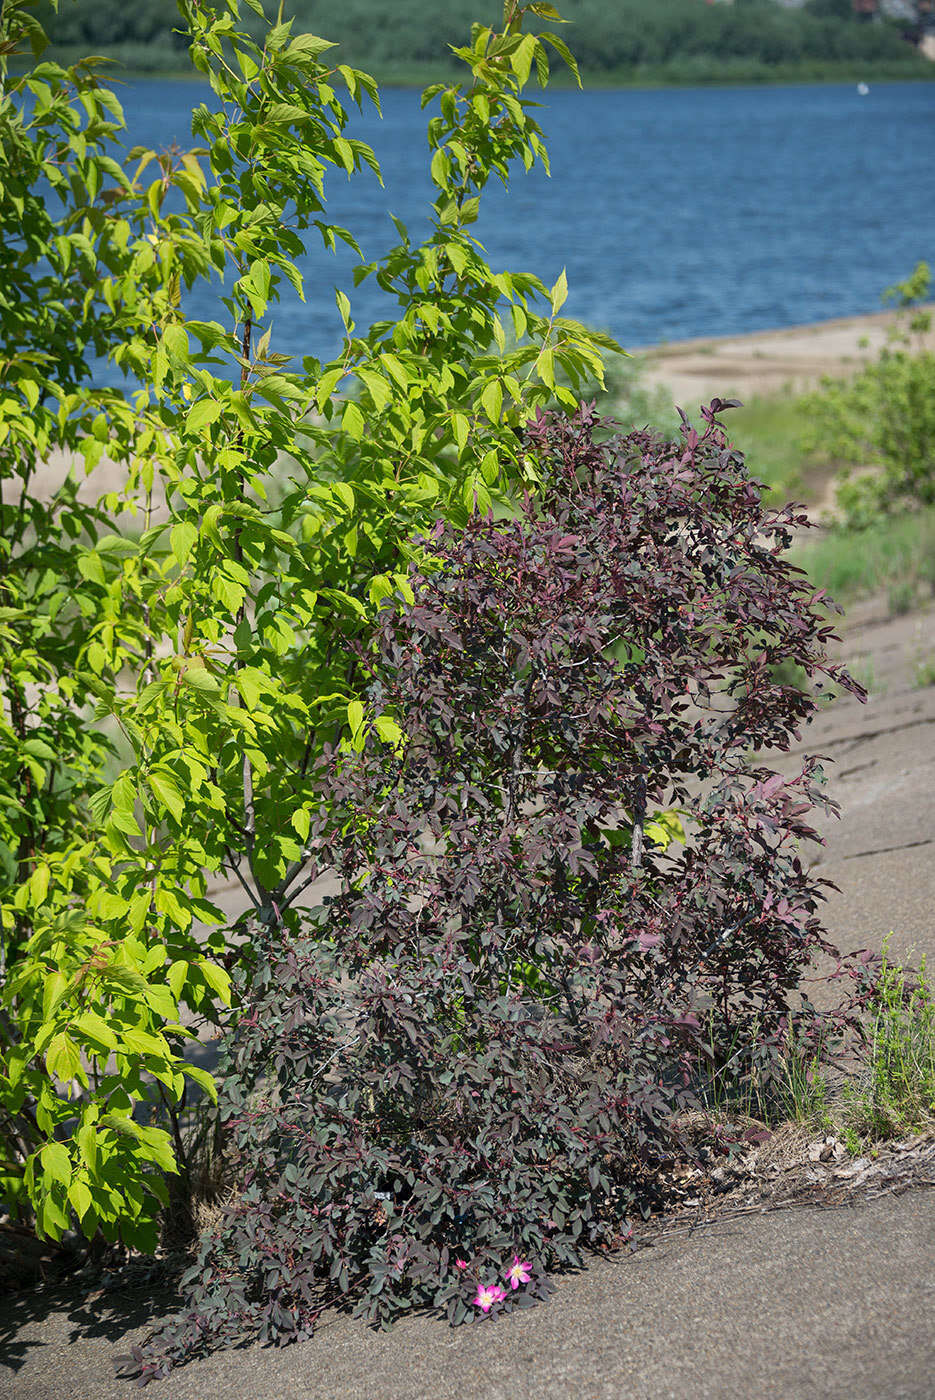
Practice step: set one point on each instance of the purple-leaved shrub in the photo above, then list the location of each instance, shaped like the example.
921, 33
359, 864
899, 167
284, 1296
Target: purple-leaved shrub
480, 1046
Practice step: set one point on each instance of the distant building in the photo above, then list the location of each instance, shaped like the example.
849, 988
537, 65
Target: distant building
917, 15
871, 9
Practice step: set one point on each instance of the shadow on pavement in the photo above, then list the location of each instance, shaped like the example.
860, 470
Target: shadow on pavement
86, 1312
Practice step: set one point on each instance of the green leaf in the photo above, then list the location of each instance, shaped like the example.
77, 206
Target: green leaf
380, 391
344, 492
250, 684
560, 293
345, 153
307, 45
352, 420
182, 539
39, 884
203, 1078
209, 525
475, 495
160, 1000
326, 385
381, 586
142, 1042
39, 749
344, 307
53, 993
126, 979
163, 787
440, 170
492, 400
201, 414
139, 909
177, 976
62, 1058
90, 1026
175, 339
522, 56
87, 1144
108, 905
217, 979
460, 428
196, 675
562, 49
91, 568
56, 1162
665, 827
355, 717
80, 1197
388, 730
396, 369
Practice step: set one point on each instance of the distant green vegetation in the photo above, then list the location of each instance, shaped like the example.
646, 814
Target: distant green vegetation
650, 41
883, 418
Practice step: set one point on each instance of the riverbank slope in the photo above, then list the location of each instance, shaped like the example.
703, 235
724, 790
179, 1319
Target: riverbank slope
767, 362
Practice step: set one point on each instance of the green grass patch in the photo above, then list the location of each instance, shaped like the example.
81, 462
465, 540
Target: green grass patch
627, 398
892, 555
768, 429
733, 1092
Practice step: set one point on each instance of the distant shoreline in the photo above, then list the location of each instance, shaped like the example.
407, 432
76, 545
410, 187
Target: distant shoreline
419, 75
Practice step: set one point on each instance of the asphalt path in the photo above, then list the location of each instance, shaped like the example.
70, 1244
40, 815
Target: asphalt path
811, 1303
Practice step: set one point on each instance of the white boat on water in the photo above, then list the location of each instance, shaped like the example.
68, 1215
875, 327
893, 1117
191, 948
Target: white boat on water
863, 89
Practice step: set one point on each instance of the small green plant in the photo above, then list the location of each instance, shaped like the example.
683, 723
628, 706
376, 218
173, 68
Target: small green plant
630, 399
864, 671
770, 428
802, 1094
787, 673
893, 1092
901, 597
896, 1093
924, 674
852, 1141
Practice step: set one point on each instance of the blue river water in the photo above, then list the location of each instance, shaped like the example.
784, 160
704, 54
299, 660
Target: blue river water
679, 213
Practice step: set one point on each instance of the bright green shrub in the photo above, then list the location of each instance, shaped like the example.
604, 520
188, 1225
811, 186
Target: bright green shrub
83, 1015
272, 506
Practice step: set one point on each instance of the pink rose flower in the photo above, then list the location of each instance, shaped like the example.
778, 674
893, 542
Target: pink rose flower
520, 1271
487, 1295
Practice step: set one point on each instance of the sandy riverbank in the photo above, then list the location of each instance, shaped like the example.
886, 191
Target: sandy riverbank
766, 362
